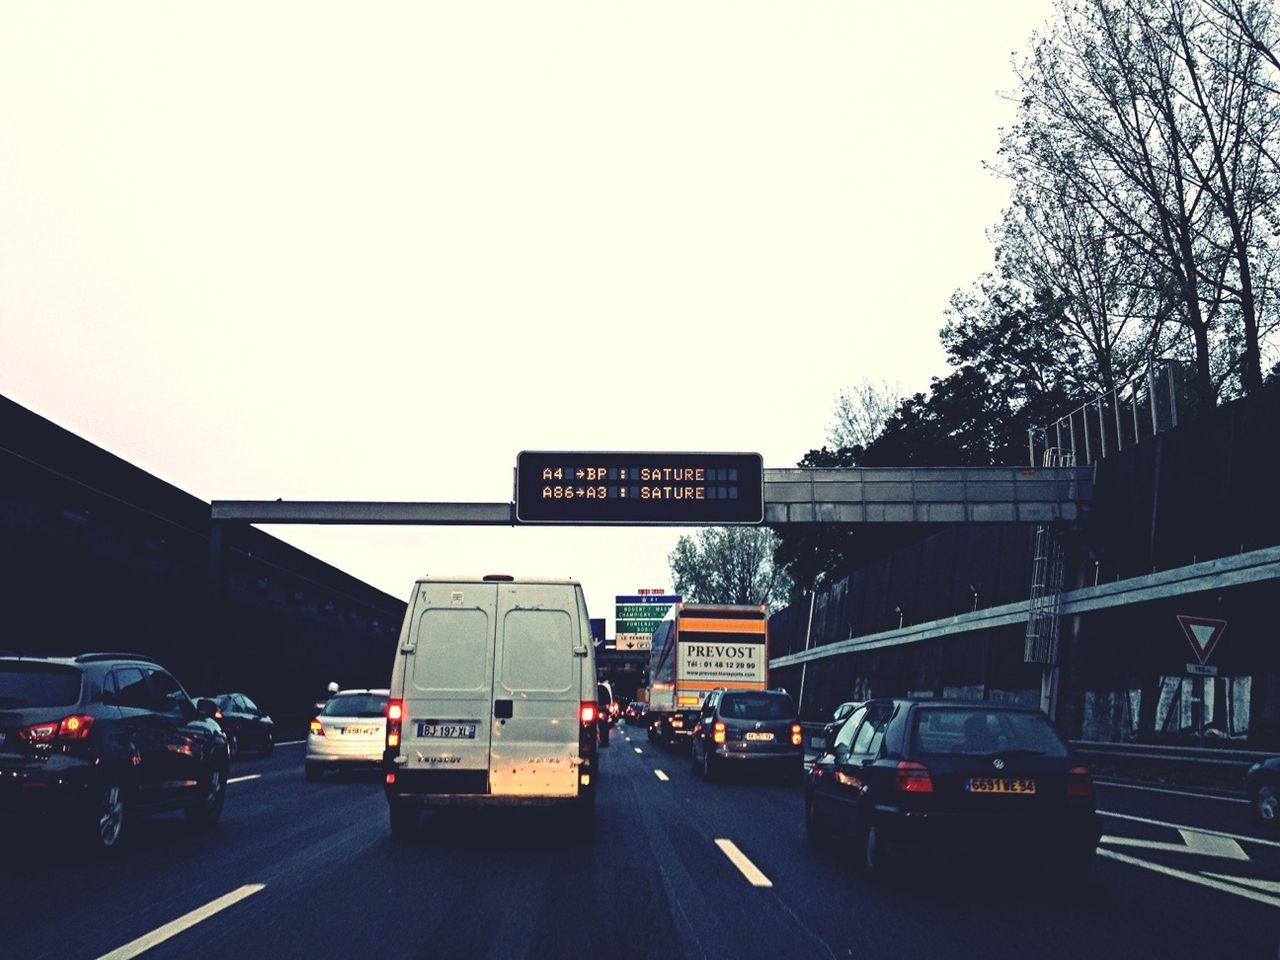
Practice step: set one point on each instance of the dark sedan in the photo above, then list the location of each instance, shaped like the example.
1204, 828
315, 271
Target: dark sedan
1263, 784
983, 784
247, 727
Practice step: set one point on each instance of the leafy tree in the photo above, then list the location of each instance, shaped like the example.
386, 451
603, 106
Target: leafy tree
729, 565
861, 412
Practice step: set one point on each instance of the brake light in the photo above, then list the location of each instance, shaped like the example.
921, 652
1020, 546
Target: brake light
587, 715
717, 732
912, 777
1079, 783
797, 735
317, 727
75, 727
391, 778
395, 716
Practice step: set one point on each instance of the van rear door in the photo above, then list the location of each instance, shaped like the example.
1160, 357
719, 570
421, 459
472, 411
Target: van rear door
448, 710
536, 691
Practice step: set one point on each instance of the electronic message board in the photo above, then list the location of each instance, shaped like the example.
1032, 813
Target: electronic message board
702, 489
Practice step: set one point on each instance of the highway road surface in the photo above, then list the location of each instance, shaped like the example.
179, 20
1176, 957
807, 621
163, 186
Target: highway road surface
675, 867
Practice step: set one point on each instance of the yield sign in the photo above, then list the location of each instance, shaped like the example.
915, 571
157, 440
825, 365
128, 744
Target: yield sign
1203, 632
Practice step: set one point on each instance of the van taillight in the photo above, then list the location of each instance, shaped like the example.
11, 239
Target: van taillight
913, 777
797, 735
395, 716
717, 732
1079, 783
317, 727
587, 715
75, 727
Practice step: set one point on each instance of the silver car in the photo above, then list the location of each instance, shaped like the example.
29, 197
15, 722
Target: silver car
349, 731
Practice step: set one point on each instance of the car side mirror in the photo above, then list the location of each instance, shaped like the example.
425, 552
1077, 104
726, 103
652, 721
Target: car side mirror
206, 708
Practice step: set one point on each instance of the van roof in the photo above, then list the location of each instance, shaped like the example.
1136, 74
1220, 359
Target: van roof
559, 581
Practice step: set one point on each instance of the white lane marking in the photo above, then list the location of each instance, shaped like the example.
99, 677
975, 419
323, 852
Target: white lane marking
184, 922
1201, 879
637, 750
1194, 841
661, 776
1176, 793
739, 860
250, 776
290, 743
1270, 886
1182, 826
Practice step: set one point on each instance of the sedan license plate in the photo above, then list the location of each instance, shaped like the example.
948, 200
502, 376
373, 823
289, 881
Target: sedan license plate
449, 730
999, 785
359, 731
754, 735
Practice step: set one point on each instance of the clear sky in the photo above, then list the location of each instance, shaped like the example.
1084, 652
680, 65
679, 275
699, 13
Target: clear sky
372, 251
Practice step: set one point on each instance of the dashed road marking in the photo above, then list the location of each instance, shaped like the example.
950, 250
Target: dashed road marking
1182, 826
184, 922
1193, 841
739, 860
290, 743
661, 776
637, 750
251, 776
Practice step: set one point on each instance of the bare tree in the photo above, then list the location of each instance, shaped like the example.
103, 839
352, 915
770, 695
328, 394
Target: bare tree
1161, 144
861, 412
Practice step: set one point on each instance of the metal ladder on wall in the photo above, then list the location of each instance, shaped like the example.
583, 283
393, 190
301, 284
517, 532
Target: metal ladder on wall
1043, 610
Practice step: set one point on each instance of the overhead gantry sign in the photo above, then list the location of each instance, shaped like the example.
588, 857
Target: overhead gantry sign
716, 489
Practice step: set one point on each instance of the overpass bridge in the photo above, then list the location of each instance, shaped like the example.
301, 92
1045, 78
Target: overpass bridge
794, 495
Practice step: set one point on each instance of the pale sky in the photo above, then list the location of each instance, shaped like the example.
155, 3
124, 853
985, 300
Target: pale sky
373, 251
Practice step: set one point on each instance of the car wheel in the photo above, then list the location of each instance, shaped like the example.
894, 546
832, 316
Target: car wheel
269, 746
710, 766
1267, 804
314, 772
108, 816
404, 820
205, 811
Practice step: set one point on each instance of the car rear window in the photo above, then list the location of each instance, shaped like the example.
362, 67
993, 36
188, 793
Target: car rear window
757, 706
355, 705
39, 685
952, 731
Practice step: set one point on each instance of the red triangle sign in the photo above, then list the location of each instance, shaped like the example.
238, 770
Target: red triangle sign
1204, 634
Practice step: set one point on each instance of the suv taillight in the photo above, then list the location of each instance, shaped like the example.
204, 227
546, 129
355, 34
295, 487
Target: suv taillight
717, 732
395, 717
913, 777
317, 727
1079, 783
797, 735
74, 727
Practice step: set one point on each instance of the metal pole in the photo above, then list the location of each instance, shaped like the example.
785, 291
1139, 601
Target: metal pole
1151, 398
804, 667
1133, 398
1102, 431
1071, 427
1173, 396
1084, 422
1115, 409
1031, 445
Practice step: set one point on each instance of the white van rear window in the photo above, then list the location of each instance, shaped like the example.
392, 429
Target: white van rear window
537, 651
453, 650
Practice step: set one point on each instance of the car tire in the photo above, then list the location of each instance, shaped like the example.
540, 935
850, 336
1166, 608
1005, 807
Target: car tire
206, 811
108, 817
315, 772
269, 746
404, 820
710, 766
1266, 804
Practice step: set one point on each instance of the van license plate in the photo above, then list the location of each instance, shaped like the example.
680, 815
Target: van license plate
448, 731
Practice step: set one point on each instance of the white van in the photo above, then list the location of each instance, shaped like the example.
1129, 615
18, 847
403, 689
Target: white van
493, 697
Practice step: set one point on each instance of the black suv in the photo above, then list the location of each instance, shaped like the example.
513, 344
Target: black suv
94, 739
748, 727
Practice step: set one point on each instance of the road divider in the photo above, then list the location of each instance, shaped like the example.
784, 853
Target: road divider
661, 776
